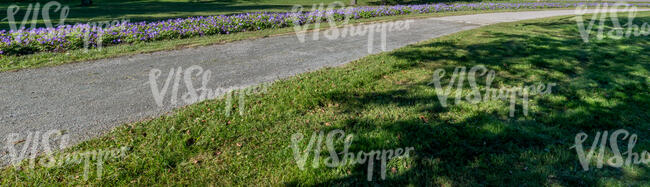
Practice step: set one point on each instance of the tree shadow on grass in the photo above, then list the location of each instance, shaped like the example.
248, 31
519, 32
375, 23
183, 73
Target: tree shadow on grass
415, 2
600, 86
136, 11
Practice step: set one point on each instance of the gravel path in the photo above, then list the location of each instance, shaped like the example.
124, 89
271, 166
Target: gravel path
87, 99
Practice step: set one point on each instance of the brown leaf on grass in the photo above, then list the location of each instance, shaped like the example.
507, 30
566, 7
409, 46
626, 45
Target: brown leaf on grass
424, 119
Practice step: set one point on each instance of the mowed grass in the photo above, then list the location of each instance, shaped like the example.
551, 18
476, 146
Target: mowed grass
151, 10
386, 101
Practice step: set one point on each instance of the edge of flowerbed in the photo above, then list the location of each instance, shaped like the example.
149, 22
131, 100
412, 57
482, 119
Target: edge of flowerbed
48, 59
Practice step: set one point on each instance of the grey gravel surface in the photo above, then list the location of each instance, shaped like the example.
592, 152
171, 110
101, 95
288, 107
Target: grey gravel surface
88, 99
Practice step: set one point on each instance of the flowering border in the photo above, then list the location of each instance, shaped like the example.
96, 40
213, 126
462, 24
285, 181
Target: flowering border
70, 37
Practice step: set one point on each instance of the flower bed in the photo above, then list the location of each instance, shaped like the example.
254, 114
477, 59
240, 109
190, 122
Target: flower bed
79, 36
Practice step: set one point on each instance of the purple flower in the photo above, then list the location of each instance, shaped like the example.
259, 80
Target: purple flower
77, 36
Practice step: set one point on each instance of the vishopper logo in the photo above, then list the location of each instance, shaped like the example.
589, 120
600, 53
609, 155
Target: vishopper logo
31, 144
93, 36
334, 32
92, 32
510, 94
192, 95
33, 10
600, 144
40, 143
346, 157
618, 30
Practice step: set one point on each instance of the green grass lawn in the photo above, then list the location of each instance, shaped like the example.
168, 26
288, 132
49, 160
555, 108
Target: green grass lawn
151, 10
386, 101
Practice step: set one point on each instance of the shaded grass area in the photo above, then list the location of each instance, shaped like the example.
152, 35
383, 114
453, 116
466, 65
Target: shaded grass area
386, 101
151, 10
